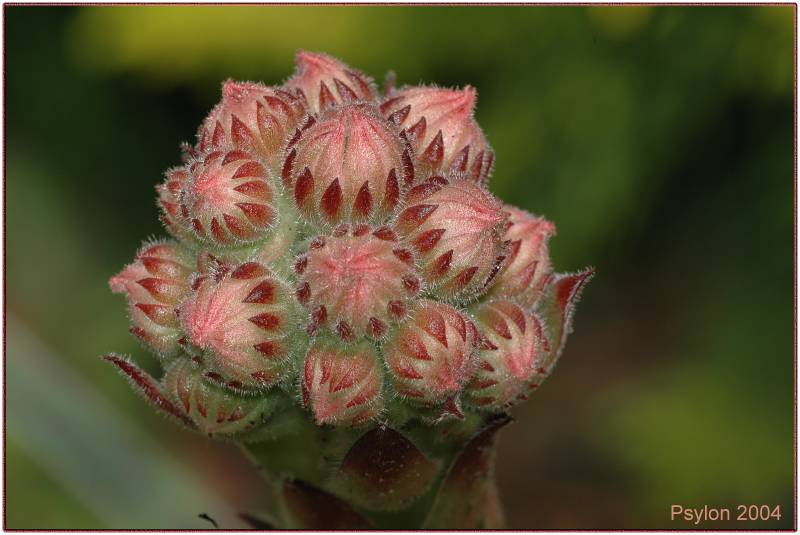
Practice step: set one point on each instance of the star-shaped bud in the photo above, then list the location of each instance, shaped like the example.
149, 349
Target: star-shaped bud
511, 348
357, 281
229, 198
254, 118
527, 269
155, 283
324, 82
439, 124
243, 320
455, 229
342, 385
430, 356
346, 167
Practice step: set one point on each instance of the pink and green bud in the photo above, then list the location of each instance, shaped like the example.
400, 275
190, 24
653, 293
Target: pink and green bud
430, 357
342, 385
254, 118
155, 283
527, 269
455, 228
358, 281
346, 167
324, 82
511, 349
440, 126
243, 320
325, 236
229, 198
213, 410
169, 201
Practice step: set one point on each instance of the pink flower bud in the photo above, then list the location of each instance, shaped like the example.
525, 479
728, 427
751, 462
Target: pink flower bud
357, 281
214, 410
347, 167
325, 82
342, 385
430, 355
440, 126
242, 319
155, 283
229, 199
455, 229
511, 348
252, 117
527, 268
169, 193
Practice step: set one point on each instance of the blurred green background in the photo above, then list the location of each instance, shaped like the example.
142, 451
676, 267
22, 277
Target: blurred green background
659, 139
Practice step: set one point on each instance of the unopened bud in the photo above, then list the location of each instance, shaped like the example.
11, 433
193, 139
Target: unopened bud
358, 281
511, 348
342, 384
430, 355
455, 229
347, 167
229, 198
527, 268
155, 283
439, 124
254, 118
243, 321
325, 82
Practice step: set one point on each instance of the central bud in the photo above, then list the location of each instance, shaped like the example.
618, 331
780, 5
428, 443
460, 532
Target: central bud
357, 281
346, 167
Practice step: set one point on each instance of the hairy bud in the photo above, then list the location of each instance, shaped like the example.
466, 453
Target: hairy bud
243, 320
346, 167
214, 410
325, 236
527, 269
511, 348
325, 82
455, 229
357, 281
430, 355
252, 117
440, 126
342, 384
169, 200
228, 198
155, 283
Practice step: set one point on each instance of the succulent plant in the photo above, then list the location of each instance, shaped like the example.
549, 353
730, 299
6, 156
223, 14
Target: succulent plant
343, 296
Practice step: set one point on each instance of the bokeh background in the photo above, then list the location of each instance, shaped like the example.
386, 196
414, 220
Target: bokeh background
660, 139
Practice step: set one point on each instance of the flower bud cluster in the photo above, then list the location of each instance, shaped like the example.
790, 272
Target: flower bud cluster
339, 249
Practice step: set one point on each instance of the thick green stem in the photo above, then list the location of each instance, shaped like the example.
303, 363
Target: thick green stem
414, 477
